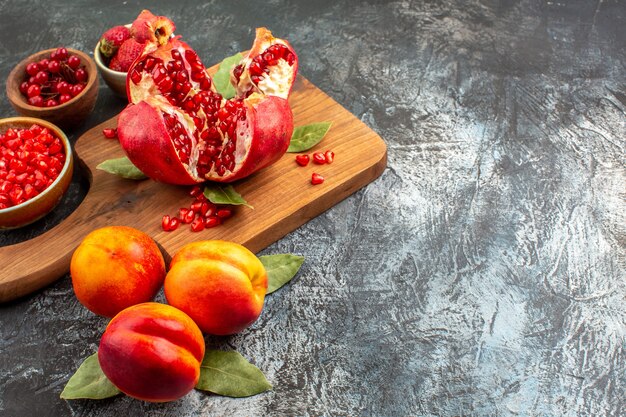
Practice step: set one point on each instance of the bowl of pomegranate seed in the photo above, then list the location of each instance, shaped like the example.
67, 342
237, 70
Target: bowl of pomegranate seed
36, 166
59, 85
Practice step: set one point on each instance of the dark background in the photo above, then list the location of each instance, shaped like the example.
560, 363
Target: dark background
482, 274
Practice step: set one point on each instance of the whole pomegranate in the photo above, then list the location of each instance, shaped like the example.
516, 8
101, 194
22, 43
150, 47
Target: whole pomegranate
179, 130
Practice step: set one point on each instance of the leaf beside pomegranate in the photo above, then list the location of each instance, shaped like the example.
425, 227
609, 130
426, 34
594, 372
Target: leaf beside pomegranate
307, 136
122, 167
224, 195
221, 79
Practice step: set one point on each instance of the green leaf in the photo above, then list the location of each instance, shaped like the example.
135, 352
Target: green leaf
224, 195
280, 269
122, 167
230, 374
221, 79
307, 136
89, 382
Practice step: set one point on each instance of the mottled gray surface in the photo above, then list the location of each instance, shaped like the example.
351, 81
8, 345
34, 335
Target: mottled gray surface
482, 274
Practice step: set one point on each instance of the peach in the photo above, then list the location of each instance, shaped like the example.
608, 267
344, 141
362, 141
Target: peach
115, 267
152, 352
220, 285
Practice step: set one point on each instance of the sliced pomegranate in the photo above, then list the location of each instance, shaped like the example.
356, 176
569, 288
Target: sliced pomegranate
179, 130
270, 67
150, 28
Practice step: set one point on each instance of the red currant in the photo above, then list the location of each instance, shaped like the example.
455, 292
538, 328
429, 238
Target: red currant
64, 98
61, 53
33, 90
77, 89
32, 68
81, 75
54, 67
73, 61
24, 87
51, 103
41, 77
36, 101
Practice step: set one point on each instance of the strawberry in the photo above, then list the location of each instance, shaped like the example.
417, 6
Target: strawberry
113, 39
128, 52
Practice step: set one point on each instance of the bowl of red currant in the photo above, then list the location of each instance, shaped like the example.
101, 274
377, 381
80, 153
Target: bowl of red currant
36, 166
59, 85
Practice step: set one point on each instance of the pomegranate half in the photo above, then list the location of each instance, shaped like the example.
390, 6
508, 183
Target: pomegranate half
177, 129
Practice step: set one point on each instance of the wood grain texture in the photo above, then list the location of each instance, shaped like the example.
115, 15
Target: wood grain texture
281, 195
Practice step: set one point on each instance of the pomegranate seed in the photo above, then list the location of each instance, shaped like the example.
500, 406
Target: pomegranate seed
196, 206
303, 160
212, 222
316, 179
195, 191
319, 158
174, 222
109, 133
189, 217
197, 225
224, 213
182, 212
166, 221
330, 157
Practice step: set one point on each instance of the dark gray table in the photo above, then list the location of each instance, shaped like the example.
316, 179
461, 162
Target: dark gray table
482, 274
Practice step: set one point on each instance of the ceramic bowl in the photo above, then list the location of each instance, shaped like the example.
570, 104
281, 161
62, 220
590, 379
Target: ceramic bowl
66, 115
40, 205
116, 80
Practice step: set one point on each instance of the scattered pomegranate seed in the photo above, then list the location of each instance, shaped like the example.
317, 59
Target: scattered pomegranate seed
174, 222
303, 160
212, 222
319, 158
189, 216
195, 191
109, 133
224, 213
316, 179
196, 206
197, 225
166, 221
330, 156
201, 214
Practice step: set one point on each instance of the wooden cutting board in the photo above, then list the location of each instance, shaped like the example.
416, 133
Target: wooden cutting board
282, 196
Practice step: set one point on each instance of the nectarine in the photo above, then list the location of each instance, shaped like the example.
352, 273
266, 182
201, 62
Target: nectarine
116, 267
152, 352
221, 285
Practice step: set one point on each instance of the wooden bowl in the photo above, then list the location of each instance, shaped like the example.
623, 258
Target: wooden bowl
41, 204
65, 115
